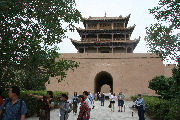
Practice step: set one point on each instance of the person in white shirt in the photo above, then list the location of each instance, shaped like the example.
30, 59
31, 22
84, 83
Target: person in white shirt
110, 99
113, 99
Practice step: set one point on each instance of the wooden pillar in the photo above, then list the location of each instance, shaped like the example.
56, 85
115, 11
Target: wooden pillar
97, 50
86, 26
112, 26
78, 50
112, 49
97, 37
125, 37
84, 50
85, 38
126, 49
98, 26
132, 50
112, 37
81, 37
124, 25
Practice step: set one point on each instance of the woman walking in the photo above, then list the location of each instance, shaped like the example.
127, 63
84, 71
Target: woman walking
113, 99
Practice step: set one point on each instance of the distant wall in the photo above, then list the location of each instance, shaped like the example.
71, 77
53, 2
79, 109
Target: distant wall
130, 72
168, 69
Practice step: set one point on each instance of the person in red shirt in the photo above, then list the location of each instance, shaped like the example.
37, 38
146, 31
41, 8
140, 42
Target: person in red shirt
1, 100
84, 113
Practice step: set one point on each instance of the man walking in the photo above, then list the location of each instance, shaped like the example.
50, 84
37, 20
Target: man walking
13, 108
102, 99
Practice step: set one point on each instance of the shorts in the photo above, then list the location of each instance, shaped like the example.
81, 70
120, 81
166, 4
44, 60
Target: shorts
120, 103
112, 102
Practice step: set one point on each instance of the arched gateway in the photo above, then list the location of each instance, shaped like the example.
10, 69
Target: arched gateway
103, 79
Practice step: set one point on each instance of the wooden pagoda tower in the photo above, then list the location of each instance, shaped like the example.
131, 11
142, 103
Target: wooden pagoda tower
106, 35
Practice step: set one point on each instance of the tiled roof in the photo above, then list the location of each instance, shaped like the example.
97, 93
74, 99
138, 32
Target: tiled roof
127, 28
79, 44
107, 18
91, 42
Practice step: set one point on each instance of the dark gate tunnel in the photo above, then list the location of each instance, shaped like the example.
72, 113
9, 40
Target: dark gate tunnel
101, 79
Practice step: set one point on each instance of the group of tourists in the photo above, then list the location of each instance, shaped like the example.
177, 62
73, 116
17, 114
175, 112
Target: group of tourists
139, 103
14, 108
112, 99
86, 101
65, 107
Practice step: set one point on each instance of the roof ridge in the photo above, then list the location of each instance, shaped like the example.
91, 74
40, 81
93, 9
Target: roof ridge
105, 17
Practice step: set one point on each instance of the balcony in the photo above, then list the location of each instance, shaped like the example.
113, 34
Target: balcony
103, 39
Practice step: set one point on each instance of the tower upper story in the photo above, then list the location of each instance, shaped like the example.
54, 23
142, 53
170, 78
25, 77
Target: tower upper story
106, 35
106, 23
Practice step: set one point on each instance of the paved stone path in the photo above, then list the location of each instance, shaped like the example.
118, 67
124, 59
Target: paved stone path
102, 113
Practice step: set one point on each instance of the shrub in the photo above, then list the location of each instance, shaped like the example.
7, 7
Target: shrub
174, 110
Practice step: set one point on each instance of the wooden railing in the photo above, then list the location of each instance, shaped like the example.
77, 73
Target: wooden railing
103, 39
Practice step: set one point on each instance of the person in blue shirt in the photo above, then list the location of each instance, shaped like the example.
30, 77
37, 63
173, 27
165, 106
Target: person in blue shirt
90, 97
140, 104
13, 108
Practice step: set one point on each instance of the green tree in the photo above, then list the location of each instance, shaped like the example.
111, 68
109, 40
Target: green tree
163, 86
163, 39
160, 36
167, 88
176, 77
29, 33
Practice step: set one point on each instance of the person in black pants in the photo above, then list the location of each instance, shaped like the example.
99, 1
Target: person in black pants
102, 99
140, 105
